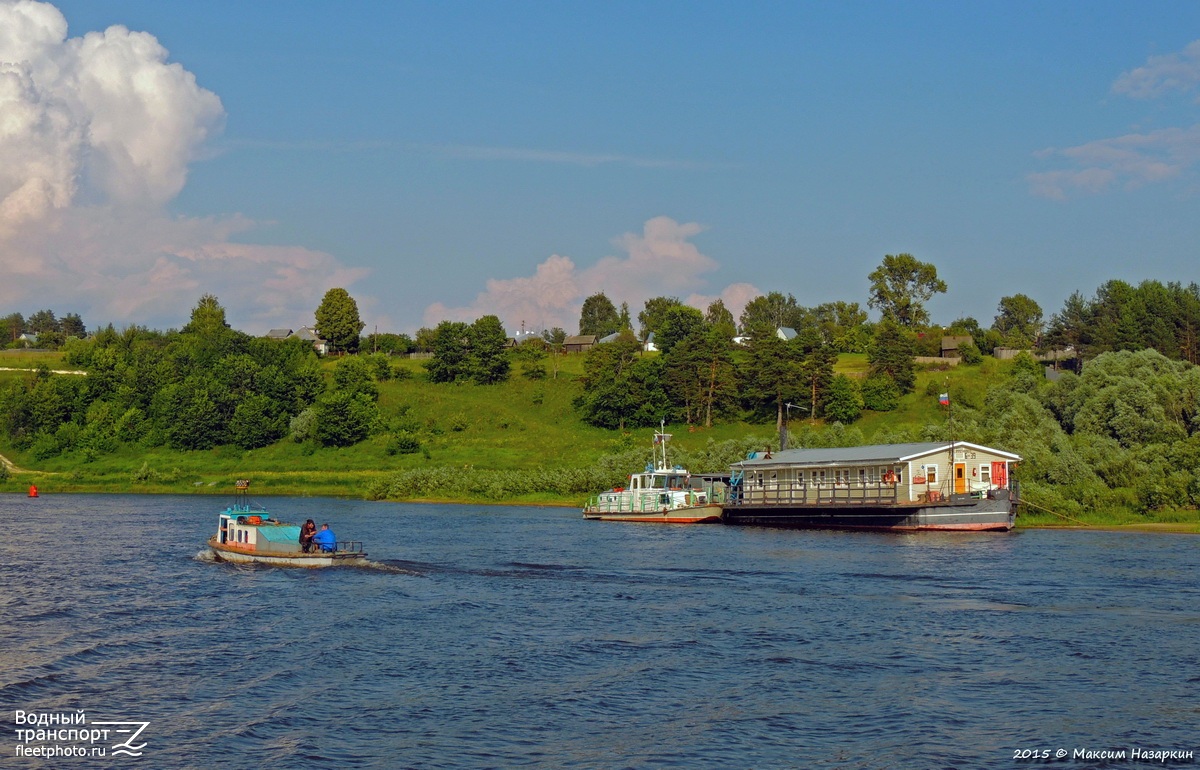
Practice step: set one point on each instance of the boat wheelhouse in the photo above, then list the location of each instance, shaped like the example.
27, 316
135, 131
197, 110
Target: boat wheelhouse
949, 485
248, 534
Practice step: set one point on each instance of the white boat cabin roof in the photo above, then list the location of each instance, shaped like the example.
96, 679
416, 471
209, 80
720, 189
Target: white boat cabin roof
875, 454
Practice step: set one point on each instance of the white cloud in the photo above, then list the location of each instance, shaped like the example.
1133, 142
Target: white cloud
96, 136
1135, 159
1132, 160
1162, 74
660, 261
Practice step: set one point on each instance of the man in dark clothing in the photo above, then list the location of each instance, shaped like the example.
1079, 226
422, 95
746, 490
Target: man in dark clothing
306, 535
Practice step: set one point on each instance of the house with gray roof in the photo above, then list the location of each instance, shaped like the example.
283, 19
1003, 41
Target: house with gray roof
580, 343
308, 334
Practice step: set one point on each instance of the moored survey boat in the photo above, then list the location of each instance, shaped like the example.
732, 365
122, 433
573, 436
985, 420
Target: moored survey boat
248, 534
662, 494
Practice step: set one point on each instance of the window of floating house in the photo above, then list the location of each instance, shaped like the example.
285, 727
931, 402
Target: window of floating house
985, 473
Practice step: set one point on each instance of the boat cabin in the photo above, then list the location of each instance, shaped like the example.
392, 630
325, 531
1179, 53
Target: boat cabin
676, 478
880, 474
257, 532
251, 528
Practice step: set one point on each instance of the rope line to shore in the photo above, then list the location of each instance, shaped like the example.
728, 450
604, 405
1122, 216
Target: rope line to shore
1054, 513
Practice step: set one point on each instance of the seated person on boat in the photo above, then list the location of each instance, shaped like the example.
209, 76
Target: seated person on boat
325, 539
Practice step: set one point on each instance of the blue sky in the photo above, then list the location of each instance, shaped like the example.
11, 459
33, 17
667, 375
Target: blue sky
446, 160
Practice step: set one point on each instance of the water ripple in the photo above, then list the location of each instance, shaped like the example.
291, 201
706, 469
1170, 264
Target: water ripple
521, 637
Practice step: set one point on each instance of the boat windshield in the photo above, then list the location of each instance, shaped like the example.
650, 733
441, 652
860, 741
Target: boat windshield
663, 481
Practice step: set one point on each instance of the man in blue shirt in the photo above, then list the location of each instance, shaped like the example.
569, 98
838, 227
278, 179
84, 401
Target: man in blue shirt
325, 539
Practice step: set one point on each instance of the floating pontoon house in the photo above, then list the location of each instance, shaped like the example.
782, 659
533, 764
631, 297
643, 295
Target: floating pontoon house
932, 485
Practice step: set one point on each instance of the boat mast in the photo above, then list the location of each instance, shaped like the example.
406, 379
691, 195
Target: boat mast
241, 496
660, 439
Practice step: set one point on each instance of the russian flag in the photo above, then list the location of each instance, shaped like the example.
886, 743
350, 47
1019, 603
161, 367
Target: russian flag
944, 399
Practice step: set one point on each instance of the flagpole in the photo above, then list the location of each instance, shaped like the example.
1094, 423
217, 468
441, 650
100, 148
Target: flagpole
950, 420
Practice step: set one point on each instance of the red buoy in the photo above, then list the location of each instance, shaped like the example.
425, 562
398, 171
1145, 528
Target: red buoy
33, 490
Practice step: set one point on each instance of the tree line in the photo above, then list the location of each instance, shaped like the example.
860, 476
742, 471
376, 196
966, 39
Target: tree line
51, 331
207, 385
203, 386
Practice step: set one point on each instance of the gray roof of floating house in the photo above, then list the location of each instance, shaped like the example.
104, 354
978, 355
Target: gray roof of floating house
876, 454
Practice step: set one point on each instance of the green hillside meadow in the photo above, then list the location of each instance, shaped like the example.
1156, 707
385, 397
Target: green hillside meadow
517, 429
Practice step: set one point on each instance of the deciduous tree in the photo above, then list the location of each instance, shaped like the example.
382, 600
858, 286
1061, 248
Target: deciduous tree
616, 392
599, 316
901, 286
843, 401
1019, 321
450, 343
764, 314
487, 359
677, 322
338, 322
653, 314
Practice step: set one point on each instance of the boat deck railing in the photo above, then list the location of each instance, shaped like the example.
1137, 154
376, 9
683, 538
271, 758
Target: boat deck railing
852, 493
807, 493
648, 500
349, 546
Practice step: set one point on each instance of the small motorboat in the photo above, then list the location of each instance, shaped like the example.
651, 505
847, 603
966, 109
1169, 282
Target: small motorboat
248, 534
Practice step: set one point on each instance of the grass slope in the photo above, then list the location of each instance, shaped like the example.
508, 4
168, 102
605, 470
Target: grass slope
517, 425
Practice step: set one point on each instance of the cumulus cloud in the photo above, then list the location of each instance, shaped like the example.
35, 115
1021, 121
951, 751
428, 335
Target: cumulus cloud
96, 136
1134, 159
659, 261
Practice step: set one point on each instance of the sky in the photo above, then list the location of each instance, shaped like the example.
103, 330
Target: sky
448, 160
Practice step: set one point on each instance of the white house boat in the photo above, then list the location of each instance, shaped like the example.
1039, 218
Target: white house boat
662, 494
948, 485
250, 535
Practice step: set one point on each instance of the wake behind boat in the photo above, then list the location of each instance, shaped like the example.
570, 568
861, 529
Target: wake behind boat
250, 535
659, 494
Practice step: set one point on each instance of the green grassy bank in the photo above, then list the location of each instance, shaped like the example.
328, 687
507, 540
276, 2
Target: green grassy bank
518, 442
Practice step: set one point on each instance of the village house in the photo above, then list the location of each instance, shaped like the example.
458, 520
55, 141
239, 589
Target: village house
305, 333
951, 345
580, 343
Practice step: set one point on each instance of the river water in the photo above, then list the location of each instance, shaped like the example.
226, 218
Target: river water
507, 637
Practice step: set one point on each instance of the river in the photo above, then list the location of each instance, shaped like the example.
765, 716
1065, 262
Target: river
518, 637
